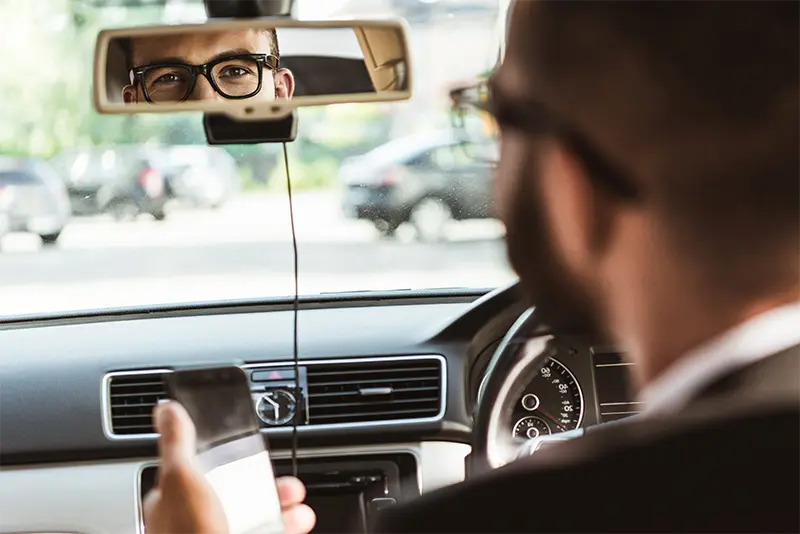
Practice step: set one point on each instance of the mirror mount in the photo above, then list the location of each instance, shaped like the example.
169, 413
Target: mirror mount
247, 9
224, 130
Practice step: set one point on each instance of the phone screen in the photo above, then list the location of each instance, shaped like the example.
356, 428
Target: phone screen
230, 448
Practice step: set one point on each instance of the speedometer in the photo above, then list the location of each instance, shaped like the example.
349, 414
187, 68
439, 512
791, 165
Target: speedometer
552, 402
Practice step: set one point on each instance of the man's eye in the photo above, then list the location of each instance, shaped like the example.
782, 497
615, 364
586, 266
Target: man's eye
235, 72
170, 78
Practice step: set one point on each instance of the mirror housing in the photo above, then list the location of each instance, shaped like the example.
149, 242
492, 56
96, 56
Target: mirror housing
339, 61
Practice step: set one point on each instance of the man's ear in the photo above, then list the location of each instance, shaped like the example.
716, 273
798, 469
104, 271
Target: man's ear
284, 84
129, 95
580, 215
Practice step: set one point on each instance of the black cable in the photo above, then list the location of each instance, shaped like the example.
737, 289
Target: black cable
296, 309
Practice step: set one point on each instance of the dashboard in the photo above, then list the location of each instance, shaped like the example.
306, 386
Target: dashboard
386, 394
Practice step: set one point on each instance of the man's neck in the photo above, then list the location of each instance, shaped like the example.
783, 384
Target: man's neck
694, 326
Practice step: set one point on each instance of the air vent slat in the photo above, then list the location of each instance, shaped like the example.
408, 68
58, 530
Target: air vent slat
396, 390
401, 401
136, 394
134, 429
372, 372
132, 405
363, 382
132, 398
407, 389
379, 416
137, 385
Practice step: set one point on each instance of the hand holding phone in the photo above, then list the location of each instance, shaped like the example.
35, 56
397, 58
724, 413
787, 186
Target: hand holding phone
231, 451
185, 502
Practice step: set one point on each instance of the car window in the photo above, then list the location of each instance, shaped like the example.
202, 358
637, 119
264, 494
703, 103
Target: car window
443, 157
452, 156
10, 178
420, 160
48, 175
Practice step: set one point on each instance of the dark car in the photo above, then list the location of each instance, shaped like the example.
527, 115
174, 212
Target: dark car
32, 198
427, 180
124, 181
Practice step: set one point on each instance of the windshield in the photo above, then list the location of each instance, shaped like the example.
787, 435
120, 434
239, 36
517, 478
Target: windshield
387, 196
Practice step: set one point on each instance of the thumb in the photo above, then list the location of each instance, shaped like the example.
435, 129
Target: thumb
178, 440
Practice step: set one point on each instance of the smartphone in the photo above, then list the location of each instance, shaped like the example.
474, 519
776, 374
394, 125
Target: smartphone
230, 448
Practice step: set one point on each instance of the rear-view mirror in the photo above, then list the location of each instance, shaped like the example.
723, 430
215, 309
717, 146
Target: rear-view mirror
250, 68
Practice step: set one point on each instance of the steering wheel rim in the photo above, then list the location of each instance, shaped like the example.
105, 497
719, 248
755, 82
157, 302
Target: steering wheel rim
527, 344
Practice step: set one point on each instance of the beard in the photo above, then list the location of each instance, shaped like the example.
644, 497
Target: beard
562, 303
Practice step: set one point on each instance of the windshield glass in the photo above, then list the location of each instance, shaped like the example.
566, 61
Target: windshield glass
122, 210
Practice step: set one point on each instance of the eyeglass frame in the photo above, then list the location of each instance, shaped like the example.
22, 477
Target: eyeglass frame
269, 61
535, 118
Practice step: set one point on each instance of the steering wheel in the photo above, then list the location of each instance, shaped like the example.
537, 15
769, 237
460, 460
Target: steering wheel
525, 347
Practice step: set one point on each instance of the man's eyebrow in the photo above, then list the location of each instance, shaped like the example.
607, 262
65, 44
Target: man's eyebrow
163, 61
173, 60
232, 52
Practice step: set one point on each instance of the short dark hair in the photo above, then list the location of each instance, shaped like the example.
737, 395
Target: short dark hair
127, 48
700, 101
272, 35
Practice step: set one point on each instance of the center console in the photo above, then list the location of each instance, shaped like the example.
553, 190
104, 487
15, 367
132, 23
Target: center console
347, 493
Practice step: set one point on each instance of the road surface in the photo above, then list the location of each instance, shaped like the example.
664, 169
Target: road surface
242, 250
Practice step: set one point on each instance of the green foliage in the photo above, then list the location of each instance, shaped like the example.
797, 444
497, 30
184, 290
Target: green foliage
320, 173
46, 105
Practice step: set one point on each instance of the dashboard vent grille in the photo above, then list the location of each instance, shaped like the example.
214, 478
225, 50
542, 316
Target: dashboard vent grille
374, 391
131, 401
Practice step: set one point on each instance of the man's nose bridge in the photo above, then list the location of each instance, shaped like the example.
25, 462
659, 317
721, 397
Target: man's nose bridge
203, 90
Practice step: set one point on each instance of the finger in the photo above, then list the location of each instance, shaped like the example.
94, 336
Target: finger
290, 491
299, 519
148, 507
177, 440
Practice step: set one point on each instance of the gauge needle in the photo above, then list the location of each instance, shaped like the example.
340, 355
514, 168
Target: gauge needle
275, 407
553, 419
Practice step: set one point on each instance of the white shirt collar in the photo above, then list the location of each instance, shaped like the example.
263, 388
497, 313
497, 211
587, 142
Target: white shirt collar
765, 335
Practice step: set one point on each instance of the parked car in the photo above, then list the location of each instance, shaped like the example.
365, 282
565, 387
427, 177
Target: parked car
124, 181
427, 180
35, 197
203, 176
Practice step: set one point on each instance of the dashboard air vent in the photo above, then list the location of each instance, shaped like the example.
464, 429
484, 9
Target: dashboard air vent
374, 391
132, 397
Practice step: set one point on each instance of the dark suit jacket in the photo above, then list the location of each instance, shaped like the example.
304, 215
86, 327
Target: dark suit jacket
728, 462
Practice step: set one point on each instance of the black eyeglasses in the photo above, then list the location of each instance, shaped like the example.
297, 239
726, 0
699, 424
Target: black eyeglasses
536, 119
234, 77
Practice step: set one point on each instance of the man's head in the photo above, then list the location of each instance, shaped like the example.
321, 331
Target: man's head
649, 169
242, 64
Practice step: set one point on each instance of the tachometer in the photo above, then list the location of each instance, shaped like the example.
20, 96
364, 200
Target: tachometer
552, 402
